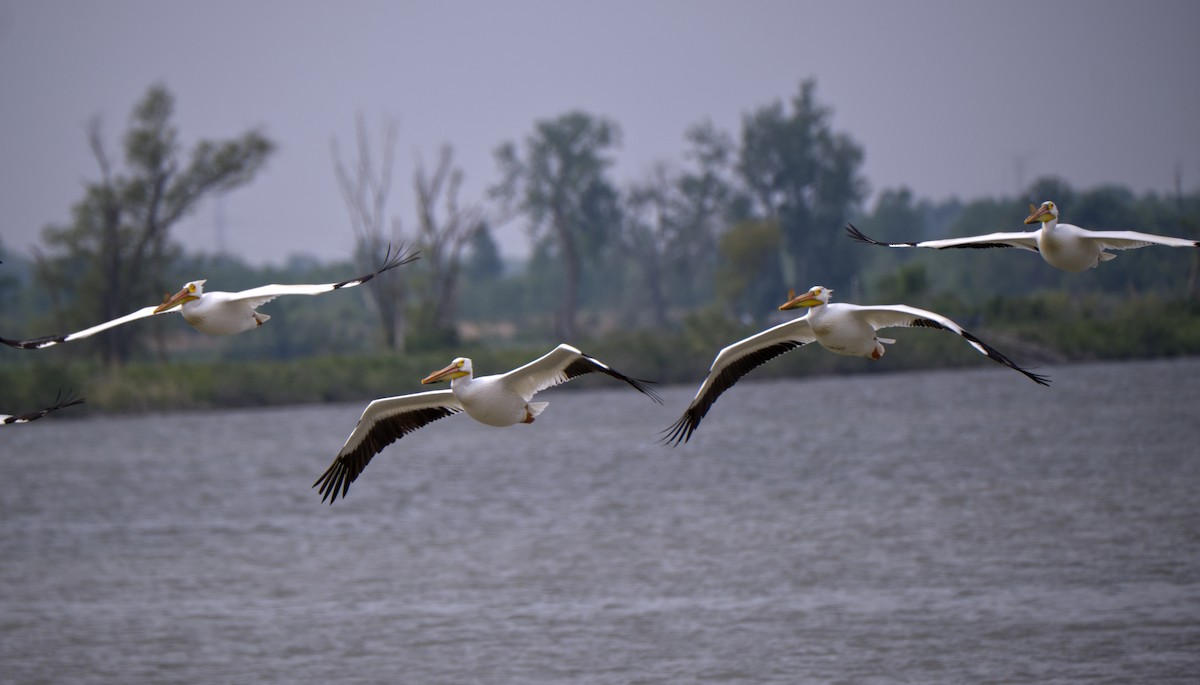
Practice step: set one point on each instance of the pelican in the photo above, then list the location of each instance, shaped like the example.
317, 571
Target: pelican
499, 400
1063, 246
60, 401
215, 312
841, 328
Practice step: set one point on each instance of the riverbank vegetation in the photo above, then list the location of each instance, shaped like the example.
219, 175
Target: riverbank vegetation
654, 276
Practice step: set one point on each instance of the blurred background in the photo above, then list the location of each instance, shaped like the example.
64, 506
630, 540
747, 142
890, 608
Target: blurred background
644, 180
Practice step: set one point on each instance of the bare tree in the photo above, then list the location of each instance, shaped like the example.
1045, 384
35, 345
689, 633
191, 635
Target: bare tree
443, 235
365, 190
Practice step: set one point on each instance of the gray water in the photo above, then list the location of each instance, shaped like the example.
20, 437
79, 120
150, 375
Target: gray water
944, 527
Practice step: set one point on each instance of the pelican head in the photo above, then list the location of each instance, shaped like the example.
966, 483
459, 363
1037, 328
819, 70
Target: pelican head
816, 296
456, 369
191, 291
1047, 212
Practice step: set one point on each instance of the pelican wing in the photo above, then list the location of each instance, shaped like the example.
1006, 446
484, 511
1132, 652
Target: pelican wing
736, 361
1128, 240
47, 341
902, 315
383, 422
561, 365
261, 295
1025, 240
60, 401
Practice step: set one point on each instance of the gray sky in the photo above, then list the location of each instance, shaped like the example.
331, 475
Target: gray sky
949, 98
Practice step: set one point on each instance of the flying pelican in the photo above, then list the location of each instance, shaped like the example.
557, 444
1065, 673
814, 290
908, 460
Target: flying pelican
60, 401
842, 328
499, 400
215, 312
1063, 246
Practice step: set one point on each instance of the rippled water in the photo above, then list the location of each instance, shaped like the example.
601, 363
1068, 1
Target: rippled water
945, 527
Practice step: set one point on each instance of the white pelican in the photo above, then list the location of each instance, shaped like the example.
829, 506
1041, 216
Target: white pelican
842, 328
60, 401
499, 400
1063, 246
215, 312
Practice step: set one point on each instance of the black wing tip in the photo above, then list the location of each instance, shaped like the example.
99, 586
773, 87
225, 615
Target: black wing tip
66, 399
640, 384
996, 356
858, 235
643, 386
1036, 377
35, 343
61, 400
397, 257
861, 237
680, 431
393, 258
333, 480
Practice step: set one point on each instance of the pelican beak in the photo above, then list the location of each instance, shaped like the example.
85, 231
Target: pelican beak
808, 299
447, 374
1037, 215
175, 300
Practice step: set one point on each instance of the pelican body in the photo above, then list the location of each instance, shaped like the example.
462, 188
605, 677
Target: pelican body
1063, 246
216, 312
497, 400
847, 329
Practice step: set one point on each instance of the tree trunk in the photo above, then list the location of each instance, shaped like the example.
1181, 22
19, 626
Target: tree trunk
564, 320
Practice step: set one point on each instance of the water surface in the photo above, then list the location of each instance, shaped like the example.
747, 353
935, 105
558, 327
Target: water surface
940, 527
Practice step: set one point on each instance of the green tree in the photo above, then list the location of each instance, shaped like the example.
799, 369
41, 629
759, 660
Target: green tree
113, 255
748, 281
483, 262
559, 182
674, 219
804, 175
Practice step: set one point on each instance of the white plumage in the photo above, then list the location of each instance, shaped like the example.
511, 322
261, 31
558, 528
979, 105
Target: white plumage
847, 329
1063, 246
216, 312
497, 400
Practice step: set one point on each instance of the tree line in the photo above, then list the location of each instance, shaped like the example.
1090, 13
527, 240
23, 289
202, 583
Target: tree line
716, 237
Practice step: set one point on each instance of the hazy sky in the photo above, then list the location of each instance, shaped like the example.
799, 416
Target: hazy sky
949, 98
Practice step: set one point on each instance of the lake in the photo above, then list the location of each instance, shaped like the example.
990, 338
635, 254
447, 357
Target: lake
963, 526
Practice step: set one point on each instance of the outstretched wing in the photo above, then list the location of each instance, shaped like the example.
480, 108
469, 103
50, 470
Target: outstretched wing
263, 294
383, 422
902, 315
561, 365
1128, 240
731, 364
47, 341
60, 401
1025, 240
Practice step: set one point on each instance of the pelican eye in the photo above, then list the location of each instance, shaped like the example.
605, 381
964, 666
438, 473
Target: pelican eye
191, 287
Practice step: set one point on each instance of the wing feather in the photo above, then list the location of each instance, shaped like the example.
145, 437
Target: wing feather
47, 341
1128, 240
60, 401
560, 365
383, 422
731, 364
902, 315
1025, 240
263, 294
